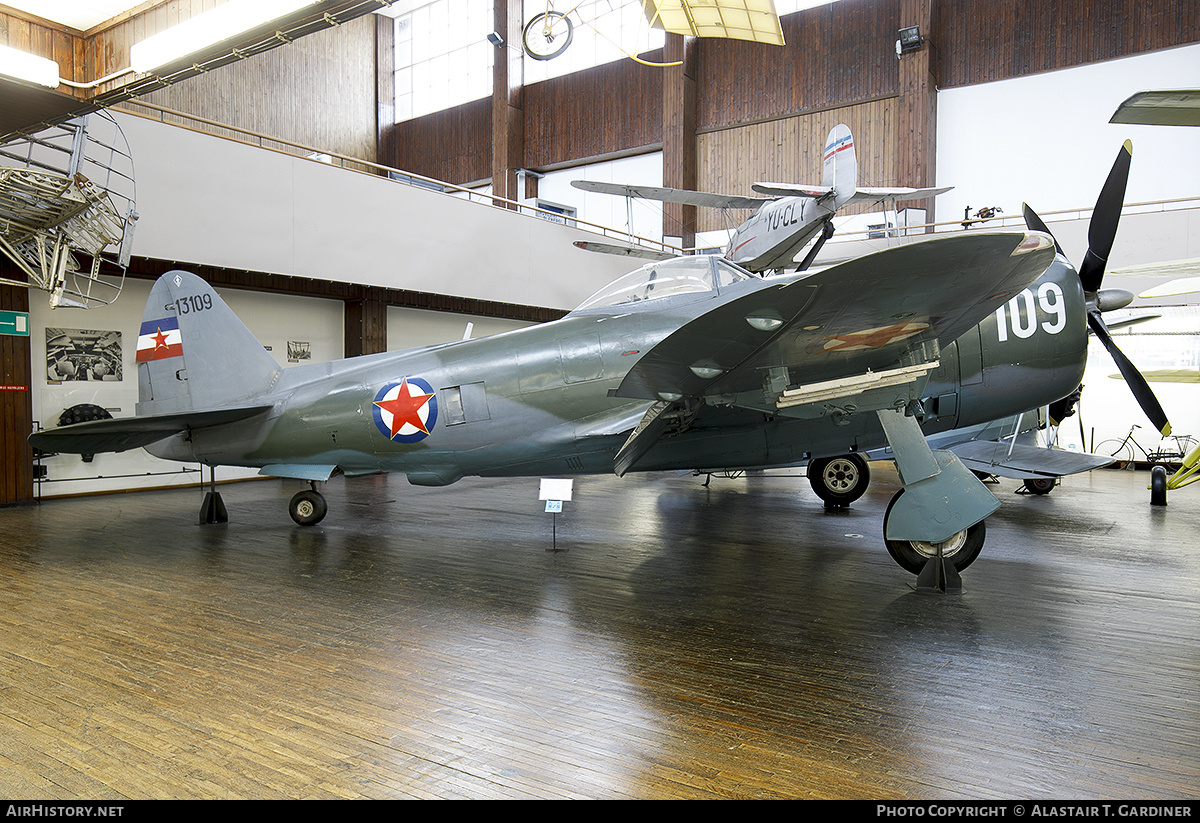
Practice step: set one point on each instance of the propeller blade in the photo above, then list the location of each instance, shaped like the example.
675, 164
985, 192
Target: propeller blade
1133, 378
1103, 227
1034, 223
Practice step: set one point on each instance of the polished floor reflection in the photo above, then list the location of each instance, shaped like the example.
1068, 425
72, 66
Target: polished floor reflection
730, 641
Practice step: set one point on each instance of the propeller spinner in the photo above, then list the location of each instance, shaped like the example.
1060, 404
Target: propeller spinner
1102, 230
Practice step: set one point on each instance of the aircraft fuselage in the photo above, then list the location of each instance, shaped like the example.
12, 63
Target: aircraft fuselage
539, 400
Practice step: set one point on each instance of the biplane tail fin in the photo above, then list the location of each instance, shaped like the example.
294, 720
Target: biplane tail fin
841, 165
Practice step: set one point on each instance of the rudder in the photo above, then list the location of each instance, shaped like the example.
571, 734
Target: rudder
840, 170
194, 353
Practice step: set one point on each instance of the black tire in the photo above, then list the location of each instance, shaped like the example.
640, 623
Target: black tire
547, 35
961, 549
1039, 485
1158, 486
307, 508
839, 481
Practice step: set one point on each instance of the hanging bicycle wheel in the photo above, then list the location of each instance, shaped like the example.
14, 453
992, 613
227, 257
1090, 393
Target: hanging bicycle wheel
547, 35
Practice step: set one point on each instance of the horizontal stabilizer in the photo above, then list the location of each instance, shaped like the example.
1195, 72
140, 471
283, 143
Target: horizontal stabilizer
623, 251
1025, 462
792, 190
666, 195
124, 433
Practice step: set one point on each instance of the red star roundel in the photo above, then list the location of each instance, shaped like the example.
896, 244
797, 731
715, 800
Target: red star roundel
405, 412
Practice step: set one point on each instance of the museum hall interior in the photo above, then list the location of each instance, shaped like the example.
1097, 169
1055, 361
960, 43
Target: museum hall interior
675, 399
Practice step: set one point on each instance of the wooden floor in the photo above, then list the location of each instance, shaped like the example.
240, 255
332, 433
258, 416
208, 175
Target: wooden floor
735, 641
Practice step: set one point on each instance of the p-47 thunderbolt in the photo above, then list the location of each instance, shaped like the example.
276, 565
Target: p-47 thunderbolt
690, 363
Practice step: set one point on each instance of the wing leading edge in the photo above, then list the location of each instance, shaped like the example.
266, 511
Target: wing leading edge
868, 315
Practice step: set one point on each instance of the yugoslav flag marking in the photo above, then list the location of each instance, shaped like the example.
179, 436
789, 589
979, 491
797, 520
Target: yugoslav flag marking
405, 412
159, 339
838, 146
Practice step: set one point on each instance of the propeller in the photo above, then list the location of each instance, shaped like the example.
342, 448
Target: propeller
1102, 230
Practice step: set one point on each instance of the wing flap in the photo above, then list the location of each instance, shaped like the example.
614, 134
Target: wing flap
124, 433
868, 314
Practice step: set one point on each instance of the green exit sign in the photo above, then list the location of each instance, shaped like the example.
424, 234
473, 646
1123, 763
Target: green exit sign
14, 322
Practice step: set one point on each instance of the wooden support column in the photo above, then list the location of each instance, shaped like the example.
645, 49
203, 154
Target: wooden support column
366, 324
16, 397
508, 93
679, 135
917, 126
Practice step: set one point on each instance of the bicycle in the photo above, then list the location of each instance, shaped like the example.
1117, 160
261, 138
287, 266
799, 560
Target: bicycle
548, 33
1170, 452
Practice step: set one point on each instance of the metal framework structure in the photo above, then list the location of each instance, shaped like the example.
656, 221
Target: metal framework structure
67, 191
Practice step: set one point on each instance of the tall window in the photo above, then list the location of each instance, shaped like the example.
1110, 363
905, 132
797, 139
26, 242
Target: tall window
443, 58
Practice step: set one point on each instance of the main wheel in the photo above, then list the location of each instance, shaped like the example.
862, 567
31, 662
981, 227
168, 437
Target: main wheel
839, 481
547, 35
1158, 486
1039, 485
961, 548
307, 508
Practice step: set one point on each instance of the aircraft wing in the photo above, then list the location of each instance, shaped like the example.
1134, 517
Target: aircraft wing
1025, 462
850, 321
1172, 107
866, 194
124, 433
665, 195
623, 251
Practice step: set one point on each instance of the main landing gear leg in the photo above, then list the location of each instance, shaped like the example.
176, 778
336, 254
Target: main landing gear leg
212, 510
936, 520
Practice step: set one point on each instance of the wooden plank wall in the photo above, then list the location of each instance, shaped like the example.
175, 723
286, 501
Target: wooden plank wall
318, 91
607, 110
979, 43
791, 149
452, 145
835, 54
44, 39
16, 407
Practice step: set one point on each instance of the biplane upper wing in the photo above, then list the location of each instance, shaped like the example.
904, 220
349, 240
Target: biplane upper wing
869, 314
668, 195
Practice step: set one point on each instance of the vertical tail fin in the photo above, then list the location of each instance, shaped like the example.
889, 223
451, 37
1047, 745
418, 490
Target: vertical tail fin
840, 171
193, 352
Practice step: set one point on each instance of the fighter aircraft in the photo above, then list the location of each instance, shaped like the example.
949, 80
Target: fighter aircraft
786, 217
691, 363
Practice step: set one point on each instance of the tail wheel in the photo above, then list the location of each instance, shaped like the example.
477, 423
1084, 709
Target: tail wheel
839, 481
1158, 486
307, 508
961, 548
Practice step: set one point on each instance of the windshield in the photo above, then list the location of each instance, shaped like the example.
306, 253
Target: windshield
667, 278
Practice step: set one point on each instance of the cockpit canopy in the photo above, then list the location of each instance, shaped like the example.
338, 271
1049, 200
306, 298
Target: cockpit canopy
667, 278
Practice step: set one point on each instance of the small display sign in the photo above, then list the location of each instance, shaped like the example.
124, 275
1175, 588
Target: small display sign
15, 323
